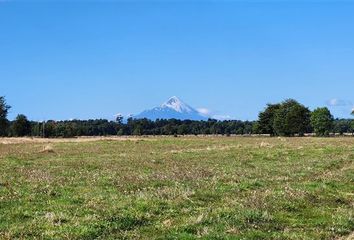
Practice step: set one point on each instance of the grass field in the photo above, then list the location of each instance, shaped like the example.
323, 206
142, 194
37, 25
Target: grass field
178, 188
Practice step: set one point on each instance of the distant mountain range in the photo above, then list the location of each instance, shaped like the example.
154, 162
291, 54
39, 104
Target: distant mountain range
172, 108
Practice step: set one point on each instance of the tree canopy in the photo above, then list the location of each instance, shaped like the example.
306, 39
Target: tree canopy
21, 126
322, 121
287, 118
266, 119
4, 110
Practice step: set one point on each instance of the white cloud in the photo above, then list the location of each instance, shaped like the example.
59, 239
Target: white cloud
204, 111
213, 114
335, 102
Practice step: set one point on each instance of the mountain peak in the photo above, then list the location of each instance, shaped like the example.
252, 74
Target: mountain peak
173, 99
176, 104
172, 108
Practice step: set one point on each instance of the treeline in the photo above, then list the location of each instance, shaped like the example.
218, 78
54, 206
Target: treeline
102, 127
288, 118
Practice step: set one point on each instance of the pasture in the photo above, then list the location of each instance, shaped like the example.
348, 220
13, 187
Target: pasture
177, 188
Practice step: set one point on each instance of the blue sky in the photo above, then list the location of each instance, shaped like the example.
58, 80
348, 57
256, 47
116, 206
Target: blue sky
94, 59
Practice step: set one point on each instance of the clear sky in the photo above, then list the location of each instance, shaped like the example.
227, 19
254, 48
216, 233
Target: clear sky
95, 59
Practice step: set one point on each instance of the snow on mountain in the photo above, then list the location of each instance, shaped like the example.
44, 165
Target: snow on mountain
176, 104
172, 108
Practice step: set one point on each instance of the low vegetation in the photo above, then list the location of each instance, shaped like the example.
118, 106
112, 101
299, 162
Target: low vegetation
177, 188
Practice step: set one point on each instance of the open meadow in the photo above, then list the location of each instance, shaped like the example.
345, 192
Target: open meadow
177, 188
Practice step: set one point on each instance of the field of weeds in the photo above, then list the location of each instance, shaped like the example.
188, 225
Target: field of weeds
177, 188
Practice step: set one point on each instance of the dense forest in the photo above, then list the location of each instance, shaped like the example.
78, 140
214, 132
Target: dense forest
102, 127
288, 118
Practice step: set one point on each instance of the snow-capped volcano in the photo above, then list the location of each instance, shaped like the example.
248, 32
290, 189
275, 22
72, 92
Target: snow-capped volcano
172, 108
176, 104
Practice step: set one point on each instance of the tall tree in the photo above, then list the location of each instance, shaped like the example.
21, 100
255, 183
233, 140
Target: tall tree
291, 118
322, 121
352, 123
342, 126
119, 119
266, 119
4, 110
21, 126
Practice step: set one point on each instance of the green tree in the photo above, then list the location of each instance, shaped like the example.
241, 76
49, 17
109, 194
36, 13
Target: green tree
119, 119
120, 132
49, 128
138, 130
266, 119
352, 124
182, 129
291, 118
4, 110
352, 127
341, 126
322, 121
21, 126
255, 128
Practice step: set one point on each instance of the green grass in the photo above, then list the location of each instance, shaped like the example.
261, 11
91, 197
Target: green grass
178, 188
